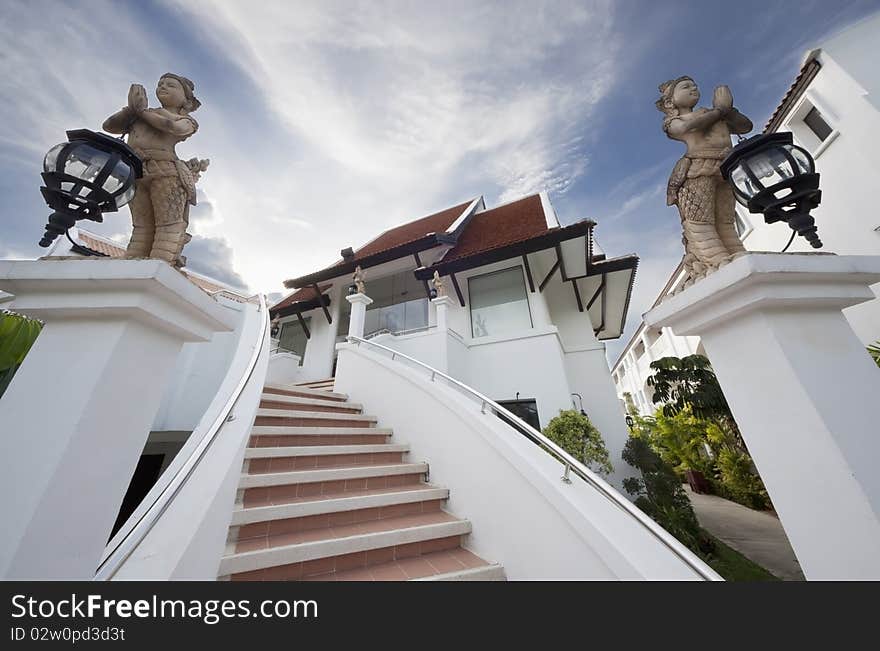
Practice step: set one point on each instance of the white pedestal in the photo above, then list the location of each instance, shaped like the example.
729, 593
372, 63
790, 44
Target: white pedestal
359, 304
803, 390
78, 411
441, 304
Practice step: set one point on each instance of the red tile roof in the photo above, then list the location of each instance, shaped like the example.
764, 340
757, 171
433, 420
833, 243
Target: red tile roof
300, 295
101, 246
809, 70
412, 231
392, 239
501, 226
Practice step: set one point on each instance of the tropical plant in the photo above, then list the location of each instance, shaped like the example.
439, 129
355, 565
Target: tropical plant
874, 351
660, 495
17, 334
740, 483
574, 433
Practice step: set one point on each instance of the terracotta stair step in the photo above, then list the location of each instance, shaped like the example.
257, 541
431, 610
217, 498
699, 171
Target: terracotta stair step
330, 474
284, 500
323, 544
304, 392
365, 436
278, 401
446, 565
316, 450
339, 503
312, 430
305, 414
273, 529
319, 461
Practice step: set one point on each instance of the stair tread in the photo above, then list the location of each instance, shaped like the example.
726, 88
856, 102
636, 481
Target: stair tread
308, 401
305, 414
339, 494
331, 473
416, 567
345, 531
323, 450
294, 388
314, 430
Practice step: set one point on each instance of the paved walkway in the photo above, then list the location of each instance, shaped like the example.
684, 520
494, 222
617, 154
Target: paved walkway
756, 535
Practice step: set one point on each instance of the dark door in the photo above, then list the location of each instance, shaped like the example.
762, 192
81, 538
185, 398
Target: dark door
145, 475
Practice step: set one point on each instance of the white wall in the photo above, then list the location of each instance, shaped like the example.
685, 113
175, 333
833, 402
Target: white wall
188, 540
848, 165
197, 375
523, 515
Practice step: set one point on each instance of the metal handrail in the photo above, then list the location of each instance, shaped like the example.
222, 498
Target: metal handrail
126, 546
571, 464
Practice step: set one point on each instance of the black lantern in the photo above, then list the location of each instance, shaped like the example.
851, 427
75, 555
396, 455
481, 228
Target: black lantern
771, 175
629, 421
90, 174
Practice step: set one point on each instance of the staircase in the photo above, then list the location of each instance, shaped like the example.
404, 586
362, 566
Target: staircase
326, 496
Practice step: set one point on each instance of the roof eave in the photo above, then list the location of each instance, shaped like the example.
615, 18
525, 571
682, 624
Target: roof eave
546, 240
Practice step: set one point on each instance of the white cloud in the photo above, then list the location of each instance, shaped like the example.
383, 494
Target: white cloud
386, 120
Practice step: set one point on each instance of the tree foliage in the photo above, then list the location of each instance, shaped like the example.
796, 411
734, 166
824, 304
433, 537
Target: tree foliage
17, 334
574, 433
685, 382
874, 351
659, 494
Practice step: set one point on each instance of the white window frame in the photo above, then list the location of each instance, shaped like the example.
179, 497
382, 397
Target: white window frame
803, 133
470, 305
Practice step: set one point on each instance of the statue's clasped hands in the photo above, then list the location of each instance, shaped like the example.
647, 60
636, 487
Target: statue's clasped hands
722, 99
137, 99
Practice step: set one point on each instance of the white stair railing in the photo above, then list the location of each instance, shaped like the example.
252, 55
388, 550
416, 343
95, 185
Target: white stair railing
570, 464
145, 517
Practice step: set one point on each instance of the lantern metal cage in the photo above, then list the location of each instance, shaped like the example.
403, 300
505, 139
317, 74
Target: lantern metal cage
91, 174
769, 174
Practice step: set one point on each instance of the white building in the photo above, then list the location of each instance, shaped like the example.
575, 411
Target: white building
832, 110
531, 304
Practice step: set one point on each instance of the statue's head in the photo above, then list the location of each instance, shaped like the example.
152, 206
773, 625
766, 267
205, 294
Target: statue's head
676, 94
176, 92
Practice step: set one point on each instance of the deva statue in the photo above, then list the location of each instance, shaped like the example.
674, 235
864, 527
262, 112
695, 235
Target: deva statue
705, 201
160, 207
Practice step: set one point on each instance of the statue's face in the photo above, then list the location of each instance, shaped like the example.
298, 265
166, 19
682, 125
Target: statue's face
170, 93
686, 94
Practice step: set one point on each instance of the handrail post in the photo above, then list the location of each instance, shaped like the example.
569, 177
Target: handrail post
565, 477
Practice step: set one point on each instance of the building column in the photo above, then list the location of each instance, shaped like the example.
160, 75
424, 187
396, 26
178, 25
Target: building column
799, 383
441, 304
79, 410
359, 303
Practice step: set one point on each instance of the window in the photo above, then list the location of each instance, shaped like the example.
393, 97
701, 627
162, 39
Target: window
293, 338
527, 410
817, 124
399, 303
499, 304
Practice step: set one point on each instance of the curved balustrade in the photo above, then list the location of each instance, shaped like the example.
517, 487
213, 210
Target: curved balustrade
170, 484
571, 466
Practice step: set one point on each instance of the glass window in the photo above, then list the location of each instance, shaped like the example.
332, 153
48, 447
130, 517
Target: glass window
293, 337
817, 124
499, 304
526, 410
399, 304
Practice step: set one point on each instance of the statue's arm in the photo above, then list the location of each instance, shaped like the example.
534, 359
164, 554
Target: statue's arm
694, 122
738, 122
119, 122
182, 127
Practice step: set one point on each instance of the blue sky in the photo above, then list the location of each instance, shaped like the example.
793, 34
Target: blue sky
327, 122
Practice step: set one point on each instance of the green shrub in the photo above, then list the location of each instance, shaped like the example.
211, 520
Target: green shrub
741, 484
574, 433
17, 334
660, 495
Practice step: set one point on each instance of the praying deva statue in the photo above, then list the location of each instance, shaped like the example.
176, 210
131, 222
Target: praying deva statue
163, 195
705, 201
